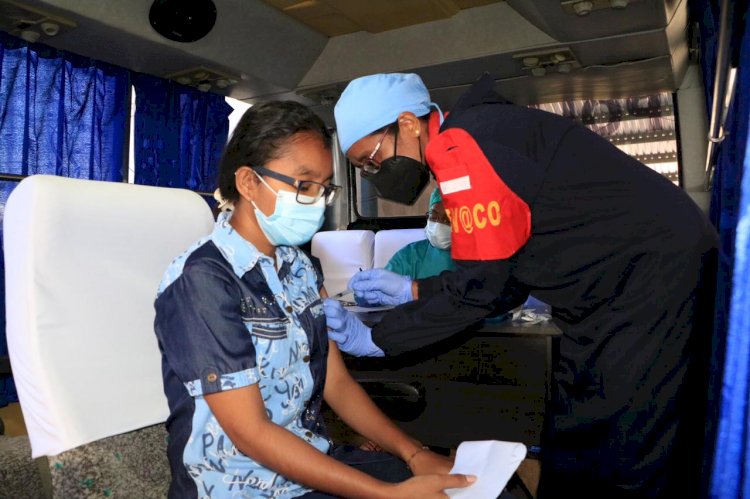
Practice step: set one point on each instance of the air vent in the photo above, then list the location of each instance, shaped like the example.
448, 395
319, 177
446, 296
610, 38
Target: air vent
322, 95
204, 79
30, 23
585, 7
539, 63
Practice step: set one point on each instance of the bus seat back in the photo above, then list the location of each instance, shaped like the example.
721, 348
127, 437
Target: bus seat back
342, 253
83, 262
388, 242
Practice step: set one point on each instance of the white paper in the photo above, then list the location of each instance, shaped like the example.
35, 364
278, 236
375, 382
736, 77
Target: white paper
493, 463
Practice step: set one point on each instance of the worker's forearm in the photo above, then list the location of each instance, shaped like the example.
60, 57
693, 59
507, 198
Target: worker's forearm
447, 304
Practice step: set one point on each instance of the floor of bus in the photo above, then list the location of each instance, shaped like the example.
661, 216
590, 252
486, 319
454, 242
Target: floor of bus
12, 418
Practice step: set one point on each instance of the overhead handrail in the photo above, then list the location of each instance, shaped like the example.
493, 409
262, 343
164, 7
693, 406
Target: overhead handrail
12, 177
722, 93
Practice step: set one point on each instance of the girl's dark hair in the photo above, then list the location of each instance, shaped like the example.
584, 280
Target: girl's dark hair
261, 135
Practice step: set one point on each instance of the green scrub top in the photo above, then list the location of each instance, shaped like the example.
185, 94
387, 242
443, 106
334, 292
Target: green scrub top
420, 259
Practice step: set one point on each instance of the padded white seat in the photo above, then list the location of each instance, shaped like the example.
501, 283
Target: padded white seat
342, 254
388, 242
83, 262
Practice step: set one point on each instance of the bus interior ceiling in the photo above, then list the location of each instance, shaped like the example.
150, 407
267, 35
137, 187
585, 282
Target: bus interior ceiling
309, 50
541, 51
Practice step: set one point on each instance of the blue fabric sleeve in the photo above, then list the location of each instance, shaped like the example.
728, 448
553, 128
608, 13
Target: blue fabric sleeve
201, 332
449, 303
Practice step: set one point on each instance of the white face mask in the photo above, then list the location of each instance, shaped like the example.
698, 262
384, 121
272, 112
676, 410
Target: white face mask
291, 223
438, 234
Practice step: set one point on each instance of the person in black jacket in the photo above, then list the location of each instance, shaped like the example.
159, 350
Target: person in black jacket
541, 205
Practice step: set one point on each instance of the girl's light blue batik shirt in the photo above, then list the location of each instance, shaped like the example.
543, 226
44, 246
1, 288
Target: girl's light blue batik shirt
226, 319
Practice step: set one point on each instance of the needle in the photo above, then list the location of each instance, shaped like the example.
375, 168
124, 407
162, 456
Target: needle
343, 293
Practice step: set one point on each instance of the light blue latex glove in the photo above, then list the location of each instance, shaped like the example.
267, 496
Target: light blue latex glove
381, 287
344, 328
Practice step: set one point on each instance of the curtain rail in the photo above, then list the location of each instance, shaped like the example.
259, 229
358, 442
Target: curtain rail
12, 177
721, 97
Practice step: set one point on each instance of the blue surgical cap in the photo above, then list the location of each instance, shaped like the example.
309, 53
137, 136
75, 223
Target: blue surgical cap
371, 102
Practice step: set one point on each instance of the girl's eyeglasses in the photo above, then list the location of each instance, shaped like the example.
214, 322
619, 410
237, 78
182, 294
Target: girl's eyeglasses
308, 191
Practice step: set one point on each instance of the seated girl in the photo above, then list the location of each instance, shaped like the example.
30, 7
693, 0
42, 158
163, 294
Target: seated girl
245, 354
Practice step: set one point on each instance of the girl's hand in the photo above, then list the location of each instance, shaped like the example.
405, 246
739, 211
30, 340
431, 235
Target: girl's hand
428, 462
430, 486
370, 446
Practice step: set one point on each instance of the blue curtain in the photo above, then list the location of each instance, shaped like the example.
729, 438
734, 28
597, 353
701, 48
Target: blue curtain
705, 14
730, 212
60, 114
7, 387
180, 134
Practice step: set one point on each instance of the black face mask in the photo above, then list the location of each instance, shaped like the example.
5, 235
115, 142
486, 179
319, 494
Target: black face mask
400, 178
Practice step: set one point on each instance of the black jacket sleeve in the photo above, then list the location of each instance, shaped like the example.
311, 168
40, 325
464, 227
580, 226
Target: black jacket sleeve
448, 304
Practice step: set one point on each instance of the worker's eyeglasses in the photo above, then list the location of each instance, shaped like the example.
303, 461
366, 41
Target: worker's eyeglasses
308, 191
369, 165
441, 218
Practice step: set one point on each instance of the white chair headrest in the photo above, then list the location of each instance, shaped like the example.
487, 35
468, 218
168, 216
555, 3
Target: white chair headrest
388, 242
342, 253
83, 263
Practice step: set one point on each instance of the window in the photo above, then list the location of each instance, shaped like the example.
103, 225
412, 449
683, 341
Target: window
239, 109
643, 127
371, 206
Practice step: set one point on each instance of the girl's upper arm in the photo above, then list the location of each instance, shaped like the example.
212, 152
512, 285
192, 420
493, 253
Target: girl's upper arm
336, 370
238, 411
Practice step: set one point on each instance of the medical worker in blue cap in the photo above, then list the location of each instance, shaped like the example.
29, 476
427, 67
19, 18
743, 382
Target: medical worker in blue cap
541, 205
431, 256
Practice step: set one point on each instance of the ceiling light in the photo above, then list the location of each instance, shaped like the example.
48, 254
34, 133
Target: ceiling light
204, 78
583, 8
30, 23
541, 62
322, 95
50, 29
30, 35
